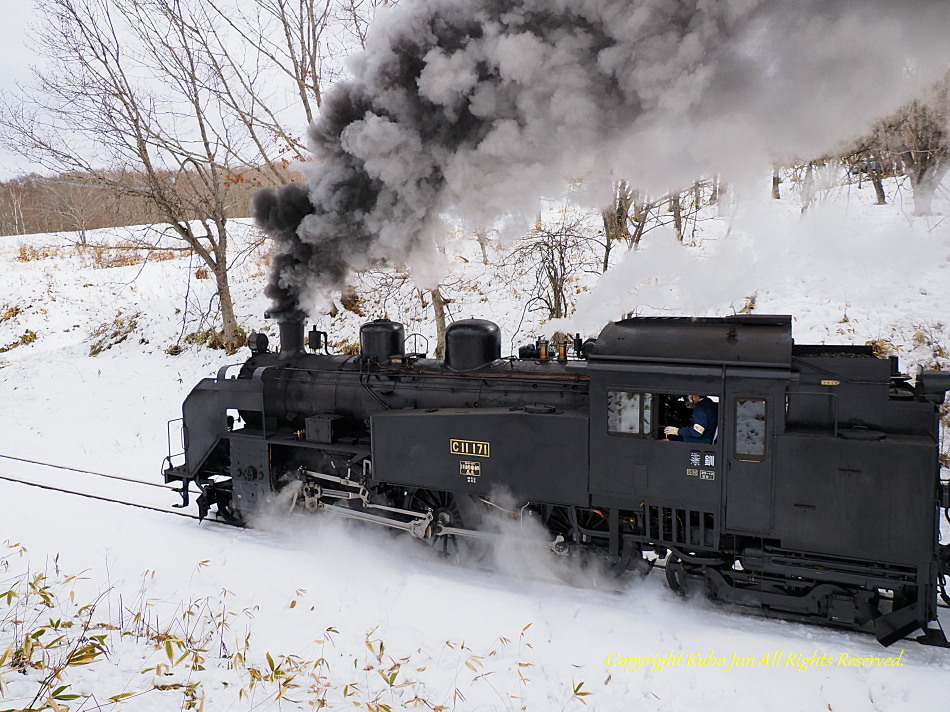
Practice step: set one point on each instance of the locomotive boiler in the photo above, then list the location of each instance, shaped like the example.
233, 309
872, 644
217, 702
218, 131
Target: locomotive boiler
816, 498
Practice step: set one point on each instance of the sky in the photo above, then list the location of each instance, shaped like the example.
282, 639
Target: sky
15, 60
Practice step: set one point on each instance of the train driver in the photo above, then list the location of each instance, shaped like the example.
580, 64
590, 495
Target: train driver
702, 427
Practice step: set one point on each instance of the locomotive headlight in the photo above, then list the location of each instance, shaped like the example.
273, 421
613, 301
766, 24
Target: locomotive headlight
257, 343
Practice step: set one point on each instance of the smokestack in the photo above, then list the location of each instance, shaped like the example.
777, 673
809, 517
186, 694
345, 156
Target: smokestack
291, 325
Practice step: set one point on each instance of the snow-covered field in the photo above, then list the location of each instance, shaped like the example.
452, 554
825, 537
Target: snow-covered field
296, 615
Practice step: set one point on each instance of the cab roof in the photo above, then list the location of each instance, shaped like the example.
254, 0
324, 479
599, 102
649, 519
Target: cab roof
747, 339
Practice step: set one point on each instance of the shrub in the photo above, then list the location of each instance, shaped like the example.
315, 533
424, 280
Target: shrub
110, 333
210, 338
882, 347
346, 347
930, 337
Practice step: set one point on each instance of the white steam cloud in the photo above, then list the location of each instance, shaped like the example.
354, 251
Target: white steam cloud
474, 108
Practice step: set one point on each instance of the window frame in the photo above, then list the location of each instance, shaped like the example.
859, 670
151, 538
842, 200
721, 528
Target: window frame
642, 434
747, 456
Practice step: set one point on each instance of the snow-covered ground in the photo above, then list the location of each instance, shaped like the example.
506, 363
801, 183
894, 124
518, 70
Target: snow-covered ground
312, 609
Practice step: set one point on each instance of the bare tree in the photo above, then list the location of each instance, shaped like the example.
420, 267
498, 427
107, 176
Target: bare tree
808, 186
278, 81
716, 187
128, 90
13, 198
867, 159
644, 215
680, 208
77, 207
356, 16
556, 252
776, 182
633, 213
292, 50
919, 136
676, 209
617, 219
439, 303
812, 179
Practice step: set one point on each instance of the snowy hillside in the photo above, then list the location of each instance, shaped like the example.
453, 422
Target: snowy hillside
311, 612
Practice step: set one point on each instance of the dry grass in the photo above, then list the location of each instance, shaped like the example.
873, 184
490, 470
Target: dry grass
28, 338
260, 264
9, 312
101, 256
107, 259
125, 255
210, 338
29, 253
882, 347
64, 651
352, 301
165, 255
112, 333
749, 305
346, 347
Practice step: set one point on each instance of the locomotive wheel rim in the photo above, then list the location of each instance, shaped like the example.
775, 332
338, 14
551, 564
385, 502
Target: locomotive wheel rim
593, 523
445, 512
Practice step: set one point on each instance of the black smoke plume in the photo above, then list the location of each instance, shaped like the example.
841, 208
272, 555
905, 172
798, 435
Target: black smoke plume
470, 109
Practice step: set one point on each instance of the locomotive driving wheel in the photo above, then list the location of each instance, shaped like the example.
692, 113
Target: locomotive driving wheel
589, 528
446, 512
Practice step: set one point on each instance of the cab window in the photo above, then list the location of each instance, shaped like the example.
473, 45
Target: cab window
750, 419
629, 413
690, 418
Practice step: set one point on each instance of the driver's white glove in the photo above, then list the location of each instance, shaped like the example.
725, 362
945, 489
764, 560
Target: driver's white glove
671, 430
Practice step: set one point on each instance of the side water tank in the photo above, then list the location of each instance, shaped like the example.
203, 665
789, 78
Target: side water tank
382, 339
472, 344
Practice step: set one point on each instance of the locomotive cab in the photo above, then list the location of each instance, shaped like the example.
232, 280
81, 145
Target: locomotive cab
686, 495
818, 448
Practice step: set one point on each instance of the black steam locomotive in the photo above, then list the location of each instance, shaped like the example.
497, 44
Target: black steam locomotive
817, 497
